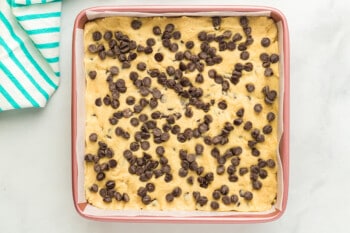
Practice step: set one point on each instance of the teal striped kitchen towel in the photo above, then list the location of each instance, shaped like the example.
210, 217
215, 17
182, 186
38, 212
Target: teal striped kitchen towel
29, 52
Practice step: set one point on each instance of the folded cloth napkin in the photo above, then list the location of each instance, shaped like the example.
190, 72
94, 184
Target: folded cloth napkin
29, 52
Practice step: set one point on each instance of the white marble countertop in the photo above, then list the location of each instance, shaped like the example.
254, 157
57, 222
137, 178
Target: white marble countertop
35, 148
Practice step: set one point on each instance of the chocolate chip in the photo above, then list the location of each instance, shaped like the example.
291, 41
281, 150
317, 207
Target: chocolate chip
179, 56
251, 144
168, 177
242, 47
134, 146
255, 133
119, 131
174, 47
248, 125
236, 151
194, 167
215, 152
231, 169
264, 57
156, 115
92, 74
145, 145
243, 171
244, 55
169, 197
216, 194
199, 170
233, 178
127, 113
151, 125
175, 129
93, 137
234, 198
207, 140
144, 91
224, 189
146, 200
265, 42
153, 103
202, 36
148, 50
220, 169
136, 24
202, 200
130, 100
126, 197
94, 188
169, 27
250, 87
166, 43
199, 148
183, 172
189, 44
268, 72
258, 108
112, 163
160, 150
182, 154
150, 187
226, 200
217, 139
157, 132
156, 30
100, 176
270, 116
103, 192
222, 105
216, 21
263, 173
214, 205
141, 66
176, 35
190, 158
110, 184
257, 185
141, 191
267, 129
218, 79
271, 95
188, 133
248, 31
254, 169
274, 58
158, 57
150, 42
92, 48
238, 121
96, 36
164, 161
140, 48
170, 119
227, 129
270, 163
176, 191
164, 136
255, 152
266, 64
203, 128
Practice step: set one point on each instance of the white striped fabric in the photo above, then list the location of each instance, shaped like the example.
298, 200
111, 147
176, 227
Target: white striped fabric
29, 52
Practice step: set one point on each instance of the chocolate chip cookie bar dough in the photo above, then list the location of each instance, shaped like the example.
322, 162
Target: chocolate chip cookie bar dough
181, 113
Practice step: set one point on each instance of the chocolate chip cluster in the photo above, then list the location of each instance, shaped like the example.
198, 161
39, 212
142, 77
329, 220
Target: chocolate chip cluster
154, 127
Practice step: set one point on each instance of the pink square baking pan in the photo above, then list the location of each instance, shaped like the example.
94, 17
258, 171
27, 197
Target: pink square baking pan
77, 77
